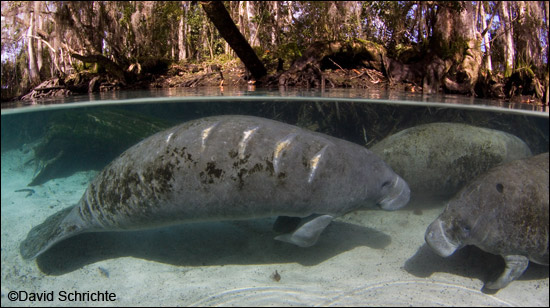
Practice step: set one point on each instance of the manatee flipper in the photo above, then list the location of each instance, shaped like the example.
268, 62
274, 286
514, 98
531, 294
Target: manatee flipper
55, 228
308, 232
286, 224
515, 266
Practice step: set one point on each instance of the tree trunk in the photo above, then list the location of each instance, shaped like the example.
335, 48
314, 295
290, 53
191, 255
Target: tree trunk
421, 22
206, 39
509, 51
219, 16
34, 76
210, 40
529, 44
275, 24
457, 47
358, 7
524, 35
182, 55
253, 28
487, 62
38, 26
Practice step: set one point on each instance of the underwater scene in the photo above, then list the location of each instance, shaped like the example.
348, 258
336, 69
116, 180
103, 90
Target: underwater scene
272, 200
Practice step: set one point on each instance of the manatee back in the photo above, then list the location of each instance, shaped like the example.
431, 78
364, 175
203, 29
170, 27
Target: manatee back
438, 159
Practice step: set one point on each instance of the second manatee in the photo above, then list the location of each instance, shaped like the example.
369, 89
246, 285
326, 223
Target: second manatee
438, 159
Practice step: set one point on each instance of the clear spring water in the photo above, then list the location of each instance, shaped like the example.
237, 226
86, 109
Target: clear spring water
363, 258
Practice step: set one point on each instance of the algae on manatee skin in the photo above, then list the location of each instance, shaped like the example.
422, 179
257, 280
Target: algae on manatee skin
77, 140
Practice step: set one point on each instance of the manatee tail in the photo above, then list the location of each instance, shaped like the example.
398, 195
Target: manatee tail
51, 231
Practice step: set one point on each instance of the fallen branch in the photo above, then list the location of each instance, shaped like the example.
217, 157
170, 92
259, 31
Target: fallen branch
335, 63
372, 79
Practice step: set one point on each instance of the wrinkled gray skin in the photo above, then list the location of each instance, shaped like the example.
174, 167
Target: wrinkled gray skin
503, 212
227, 168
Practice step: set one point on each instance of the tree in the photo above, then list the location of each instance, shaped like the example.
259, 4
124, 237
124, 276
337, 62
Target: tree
487, 65
34, 74
217, 13
182, 33
509, 48
457, 38
441, 44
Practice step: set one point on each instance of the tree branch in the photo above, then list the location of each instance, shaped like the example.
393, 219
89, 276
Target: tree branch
491, 19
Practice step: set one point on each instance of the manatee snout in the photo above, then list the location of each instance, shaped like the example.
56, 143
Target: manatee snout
396, 194
438, 239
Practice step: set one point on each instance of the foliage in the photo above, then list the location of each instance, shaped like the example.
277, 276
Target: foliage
134, 33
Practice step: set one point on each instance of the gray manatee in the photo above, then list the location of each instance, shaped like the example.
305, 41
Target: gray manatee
503, 212
228, 168
437, 159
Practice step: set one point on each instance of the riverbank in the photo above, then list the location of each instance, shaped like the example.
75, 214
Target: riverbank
232, 74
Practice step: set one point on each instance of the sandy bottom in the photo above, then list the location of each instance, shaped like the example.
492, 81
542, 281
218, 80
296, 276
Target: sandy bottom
364, 258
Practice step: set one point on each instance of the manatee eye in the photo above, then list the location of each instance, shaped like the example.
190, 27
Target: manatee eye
500, 188
464, 231
386, 184
461, 228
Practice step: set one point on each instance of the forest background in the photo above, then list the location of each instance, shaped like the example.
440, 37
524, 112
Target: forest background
454, 45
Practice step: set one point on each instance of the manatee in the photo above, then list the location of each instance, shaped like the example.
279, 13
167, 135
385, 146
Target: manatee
228, 168
503, 212
438, 159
